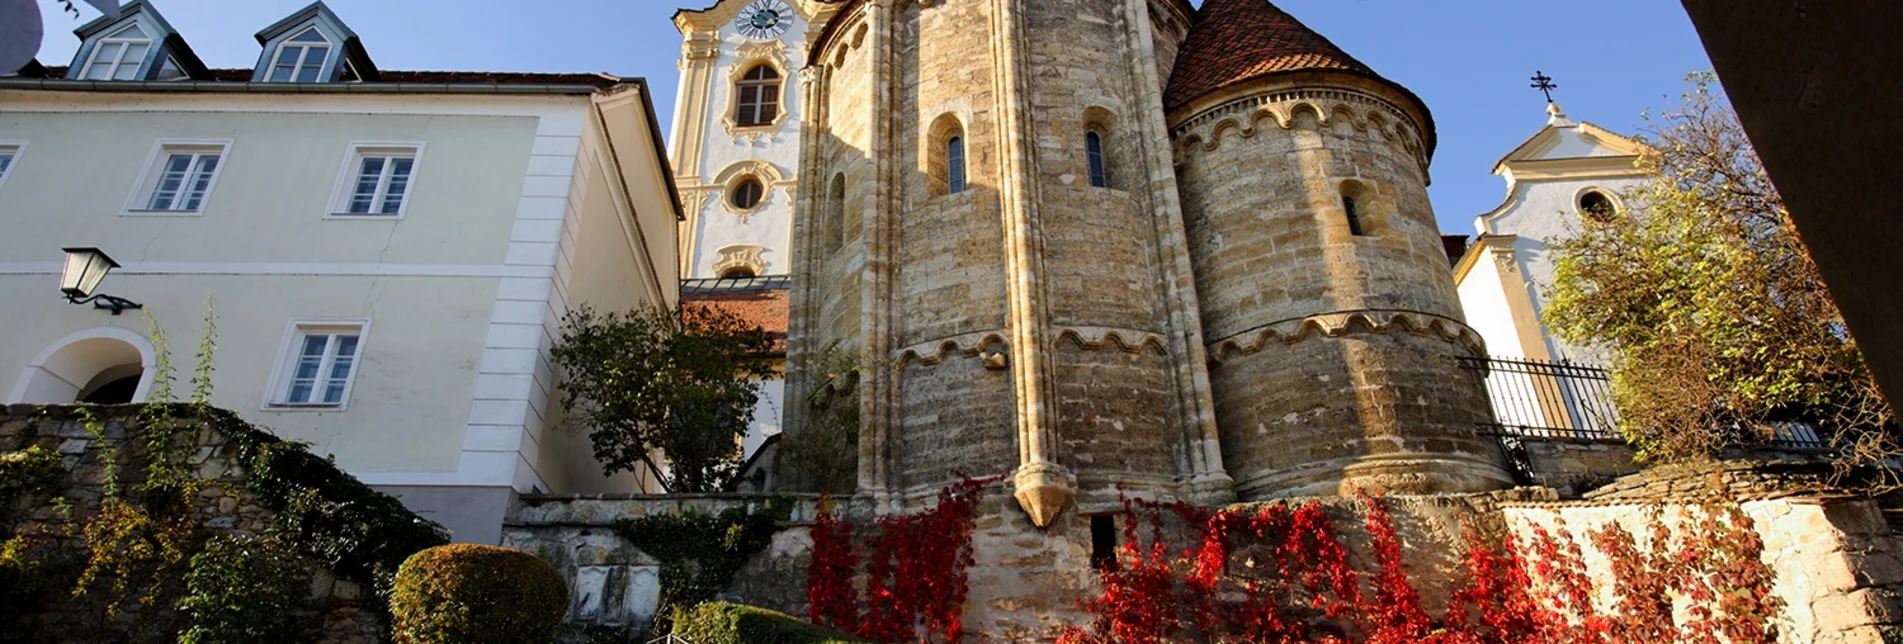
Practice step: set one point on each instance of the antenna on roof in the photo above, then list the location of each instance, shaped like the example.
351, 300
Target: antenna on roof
1544, 84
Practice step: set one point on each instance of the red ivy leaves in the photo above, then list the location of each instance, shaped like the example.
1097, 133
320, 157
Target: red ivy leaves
830, 597
1542, 597
915, 570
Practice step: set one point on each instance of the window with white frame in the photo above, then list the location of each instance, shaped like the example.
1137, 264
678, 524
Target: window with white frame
319, 365
118, 55
377, 181
180, 177
301, 58
7, 154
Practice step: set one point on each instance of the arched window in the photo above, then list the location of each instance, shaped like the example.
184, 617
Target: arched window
1597, 207
757, 97
836, 214
1093, 148
955, 165
737, 272
747, 194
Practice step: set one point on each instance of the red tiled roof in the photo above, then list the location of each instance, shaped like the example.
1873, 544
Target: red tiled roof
766, 309
1239, 40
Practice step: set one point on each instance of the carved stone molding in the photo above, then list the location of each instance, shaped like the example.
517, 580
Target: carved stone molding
1204, 131
740, 256
1335, 325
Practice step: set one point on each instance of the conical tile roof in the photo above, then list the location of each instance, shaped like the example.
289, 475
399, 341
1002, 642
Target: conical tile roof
1238, 40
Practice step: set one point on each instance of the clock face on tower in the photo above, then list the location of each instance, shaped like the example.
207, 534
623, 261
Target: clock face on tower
764, 19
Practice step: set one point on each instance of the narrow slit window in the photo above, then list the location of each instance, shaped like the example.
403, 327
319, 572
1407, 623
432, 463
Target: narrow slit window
7, 152
1093, 148
757, 97
836, 214
1103, 542
955, 165
1354, 215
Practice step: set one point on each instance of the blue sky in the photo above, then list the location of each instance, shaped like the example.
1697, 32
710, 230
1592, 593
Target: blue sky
1469, 59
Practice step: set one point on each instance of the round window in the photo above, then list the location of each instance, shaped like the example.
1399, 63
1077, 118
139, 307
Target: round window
1598, 207
747, 194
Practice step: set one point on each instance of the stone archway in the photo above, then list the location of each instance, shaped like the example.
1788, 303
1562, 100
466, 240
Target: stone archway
94, 365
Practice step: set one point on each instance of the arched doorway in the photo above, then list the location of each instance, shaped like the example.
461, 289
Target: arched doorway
104, 366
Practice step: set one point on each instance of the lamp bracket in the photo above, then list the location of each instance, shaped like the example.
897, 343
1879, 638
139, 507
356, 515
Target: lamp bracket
108, 302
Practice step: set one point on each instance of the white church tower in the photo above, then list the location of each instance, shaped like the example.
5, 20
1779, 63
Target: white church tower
737, 132
736, 151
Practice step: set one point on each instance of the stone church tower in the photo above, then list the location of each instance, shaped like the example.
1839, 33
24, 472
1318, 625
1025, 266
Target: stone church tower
1126, 248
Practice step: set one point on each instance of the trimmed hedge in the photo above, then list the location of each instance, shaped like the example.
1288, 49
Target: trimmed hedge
473, 594
723, 623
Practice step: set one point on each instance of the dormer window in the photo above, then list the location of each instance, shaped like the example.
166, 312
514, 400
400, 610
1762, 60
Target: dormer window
301, 58
171, 71
118, 55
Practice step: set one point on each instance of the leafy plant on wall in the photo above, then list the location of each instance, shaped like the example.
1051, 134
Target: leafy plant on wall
914, 565
1279, 575
1721, 327
672, 390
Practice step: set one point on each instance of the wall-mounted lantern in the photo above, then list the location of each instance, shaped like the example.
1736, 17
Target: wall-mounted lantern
85, 268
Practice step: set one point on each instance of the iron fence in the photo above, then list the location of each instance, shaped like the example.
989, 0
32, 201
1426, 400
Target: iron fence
1539, 399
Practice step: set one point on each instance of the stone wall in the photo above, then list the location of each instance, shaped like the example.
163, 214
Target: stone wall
1574, 467
1838, 566
225, 506
614, 584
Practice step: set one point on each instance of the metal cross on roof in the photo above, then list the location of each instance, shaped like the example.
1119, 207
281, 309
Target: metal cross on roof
1544, 84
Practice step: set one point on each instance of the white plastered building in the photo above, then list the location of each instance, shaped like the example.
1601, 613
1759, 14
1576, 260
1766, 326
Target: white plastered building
390, 253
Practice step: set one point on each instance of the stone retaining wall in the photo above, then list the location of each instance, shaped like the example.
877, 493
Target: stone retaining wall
1838, 566
614, 584
225, 506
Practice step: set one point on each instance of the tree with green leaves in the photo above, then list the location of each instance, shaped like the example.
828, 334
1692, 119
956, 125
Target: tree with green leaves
671, 389
1721, 328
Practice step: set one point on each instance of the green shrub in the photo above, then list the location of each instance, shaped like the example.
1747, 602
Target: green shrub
723, 623
471, 594
244, 589
29, 472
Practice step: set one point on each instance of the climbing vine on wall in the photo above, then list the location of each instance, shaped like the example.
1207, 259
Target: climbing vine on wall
144, 560
915, 567
1279, 575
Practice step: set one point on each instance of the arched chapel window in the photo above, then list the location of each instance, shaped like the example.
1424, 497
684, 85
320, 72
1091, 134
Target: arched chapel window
1093, 148
747, 194
757, 96
955, 165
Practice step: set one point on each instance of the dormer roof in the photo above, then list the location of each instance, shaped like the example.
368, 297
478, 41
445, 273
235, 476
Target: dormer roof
354, 58
1234, 41
166, 41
